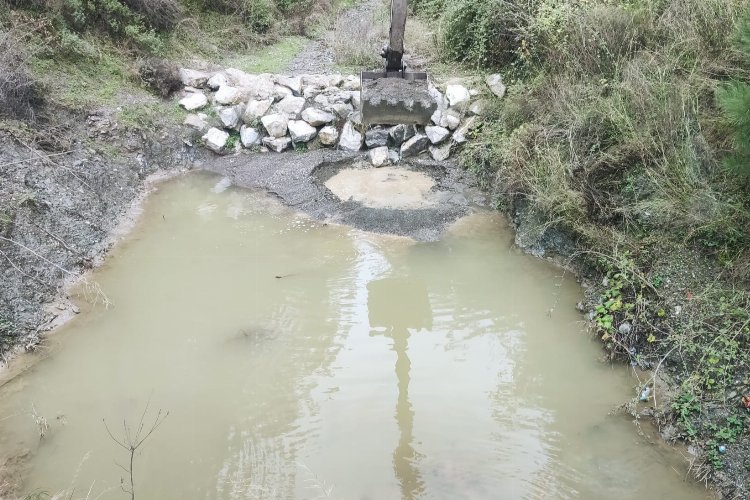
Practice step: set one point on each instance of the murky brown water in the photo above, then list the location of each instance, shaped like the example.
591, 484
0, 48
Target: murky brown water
374, 368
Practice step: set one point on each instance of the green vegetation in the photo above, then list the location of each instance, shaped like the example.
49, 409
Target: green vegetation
621, 119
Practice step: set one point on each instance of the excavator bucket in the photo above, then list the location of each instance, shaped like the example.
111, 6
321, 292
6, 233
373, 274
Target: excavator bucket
394, 99
396, 95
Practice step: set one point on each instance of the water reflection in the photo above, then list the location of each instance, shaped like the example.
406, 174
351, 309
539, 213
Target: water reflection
399, 305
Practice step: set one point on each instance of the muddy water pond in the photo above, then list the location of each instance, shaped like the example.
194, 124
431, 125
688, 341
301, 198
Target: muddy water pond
303, 360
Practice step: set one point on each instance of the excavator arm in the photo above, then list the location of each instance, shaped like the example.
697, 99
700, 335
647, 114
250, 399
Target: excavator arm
395, 95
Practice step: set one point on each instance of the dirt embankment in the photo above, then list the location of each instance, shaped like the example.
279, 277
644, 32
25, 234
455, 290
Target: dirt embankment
63, 189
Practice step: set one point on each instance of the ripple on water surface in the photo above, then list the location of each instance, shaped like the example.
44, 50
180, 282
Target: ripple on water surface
301, 360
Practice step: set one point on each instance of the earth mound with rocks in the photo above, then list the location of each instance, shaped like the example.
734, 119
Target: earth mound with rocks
233, 110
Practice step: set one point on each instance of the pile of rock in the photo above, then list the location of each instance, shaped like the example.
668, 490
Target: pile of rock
234, 110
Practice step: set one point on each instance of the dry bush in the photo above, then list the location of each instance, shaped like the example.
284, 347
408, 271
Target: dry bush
162, 15
160, 75
19, 93
357, 41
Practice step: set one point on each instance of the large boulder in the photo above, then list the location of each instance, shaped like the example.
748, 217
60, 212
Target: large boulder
290, 106
440, 153
277, 144
376, 137
351, 82
230, 116
317, 117
414, 146
350, 139
461, 135
249, 136
216, 81
451, 119
276, 125
255, 110
228, 95
328, 135
342, 111
280, 92
294, 83
251, 86
193, 78
496, 85
436, 135
379, 156
301, 131
402, 133
195, 100
215, 140
196, 122
458, 96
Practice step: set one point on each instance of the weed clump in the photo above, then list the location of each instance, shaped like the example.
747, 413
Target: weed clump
19, 92
160, 76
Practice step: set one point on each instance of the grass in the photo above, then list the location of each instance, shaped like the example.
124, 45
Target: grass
272, 59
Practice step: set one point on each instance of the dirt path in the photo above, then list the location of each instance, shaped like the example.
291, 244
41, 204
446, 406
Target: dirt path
317, 57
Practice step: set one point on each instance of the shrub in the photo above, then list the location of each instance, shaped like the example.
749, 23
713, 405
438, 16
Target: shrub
18, 90
160, 75
258, 15
162, 15
482, 32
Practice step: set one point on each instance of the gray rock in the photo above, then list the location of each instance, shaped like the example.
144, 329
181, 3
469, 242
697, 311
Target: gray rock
227, 95
196, 122
440, 153
322, 101
394, 156
258, 87
436, 135
316, 117
451, 119
193, 78
341, 97
356, 100
355, 117
624, 328
379, 156
461, 135
292, 82
458, 96
301, 131
319, 81
194, 101
290, 106
350, 139
215, 140
230, 117
280, 92
310, 92
276, 125
414, 146
478, 108
255, 110
351, 82
335, 80
277, 144
342, 110
376, 137
249, 136
328, 135
402, 133
495, 83
217, 81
